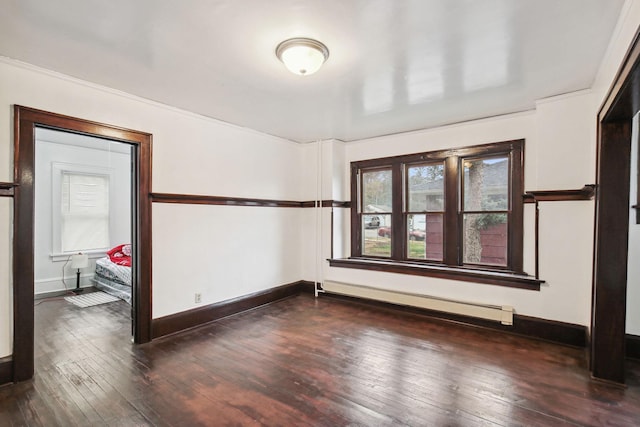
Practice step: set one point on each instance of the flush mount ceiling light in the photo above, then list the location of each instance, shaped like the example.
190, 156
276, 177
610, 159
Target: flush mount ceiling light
302, 56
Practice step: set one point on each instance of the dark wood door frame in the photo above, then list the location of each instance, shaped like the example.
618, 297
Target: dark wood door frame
608, 313
25, 122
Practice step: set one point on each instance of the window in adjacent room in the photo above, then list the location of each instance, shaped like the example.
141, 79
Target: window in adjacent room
457, 208
81, 209
84, 212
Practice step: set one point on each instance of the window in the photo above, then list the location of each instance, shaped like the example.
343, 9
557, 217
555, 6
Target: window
424, 213
459, 208
81, 204
84, 212
376, 199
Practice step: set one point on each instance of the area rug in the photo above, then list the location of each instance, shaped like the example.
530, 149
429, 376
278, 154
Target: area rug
91, 299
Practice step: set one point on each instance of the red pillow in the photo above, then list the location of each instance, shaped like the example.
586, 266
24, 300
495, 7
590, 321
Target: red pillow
121, 255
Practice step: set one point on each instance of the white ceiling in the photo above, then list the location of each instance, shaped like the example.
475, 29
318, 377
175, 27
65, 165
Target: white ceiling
394, 65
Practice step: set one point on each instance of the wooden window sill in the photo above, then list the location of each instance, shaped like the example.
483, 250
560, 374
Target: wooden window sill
499, 278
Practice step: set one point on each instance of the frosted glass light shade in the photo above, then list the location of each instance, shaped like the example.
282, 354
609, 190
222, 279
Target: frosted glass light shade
79, 261
302, 56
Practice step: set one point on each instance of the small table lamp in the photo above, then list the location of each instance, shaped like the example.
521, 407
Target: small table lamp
79, 261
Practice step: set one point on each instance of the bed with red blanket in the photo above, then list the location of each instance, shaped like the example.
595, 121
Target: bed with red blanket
113, 272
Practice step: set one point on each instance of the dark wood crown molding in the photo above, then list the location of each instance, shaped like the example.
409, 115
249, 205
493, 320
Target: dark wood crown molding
585, 193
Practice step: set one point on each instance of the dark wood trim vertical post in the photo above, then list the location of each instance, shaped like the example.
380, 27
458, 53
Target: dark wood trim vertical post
536, 237
610, 256
516, 230
611, 235
23, 276
398, 227
356, 234
637, 181
331, 244
452, 218
143, 298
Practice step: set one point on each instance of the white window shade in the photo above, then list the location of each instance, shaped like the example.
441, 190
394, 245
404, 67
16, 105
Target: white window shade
84, 211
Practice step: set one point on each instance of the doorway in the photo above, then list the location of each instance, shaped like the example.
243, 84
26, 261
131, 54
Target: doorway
82, 206
608, 312
26, 121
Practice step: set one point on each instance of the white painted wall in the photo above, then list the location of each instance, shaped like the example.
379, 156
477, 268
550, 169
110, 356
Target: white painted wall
221, 252
633, 267
191, 154
621, 39
100, 155
6, 291
316, 243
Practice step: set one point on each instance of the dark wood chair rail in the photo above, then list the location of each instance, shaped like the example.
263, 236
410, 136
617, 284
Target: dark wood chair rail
7, 189
585, 193
200, 199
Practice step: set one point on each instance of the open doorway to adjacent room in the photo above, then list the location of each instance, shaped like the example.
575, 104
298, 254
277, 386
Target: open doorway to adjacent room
82, 224
82, 244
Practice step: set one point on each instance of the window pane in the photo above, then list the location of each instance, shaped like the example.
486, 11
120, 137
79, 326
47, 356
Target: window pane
81, 233
425, 236
485, 239
426, 188
486, 184
376, 191
85, 194
85, 212
377, 240
371, 221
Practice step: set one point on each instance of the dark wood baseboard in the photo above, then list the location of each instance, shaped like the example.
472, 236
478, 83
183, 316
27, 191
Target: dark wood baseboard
632, 346
533, 327
199, 316
547, 330
307, 286
6, 370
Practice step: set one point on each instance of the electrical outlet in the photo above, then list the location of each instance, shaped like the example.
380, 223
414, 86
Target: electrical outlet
198, 297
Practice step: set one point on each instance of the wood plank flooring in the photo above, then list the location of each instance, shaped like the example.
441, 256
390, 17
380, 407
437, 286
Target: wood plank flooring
305, 362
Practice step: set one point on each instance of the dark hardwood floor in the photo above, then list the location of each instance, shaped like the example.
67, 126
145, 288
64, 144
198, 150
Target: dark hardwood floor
303, 361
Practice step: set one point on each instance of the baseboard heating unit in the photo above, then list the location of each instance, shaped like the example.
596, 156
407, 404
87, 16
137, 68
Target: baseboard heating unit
502, 314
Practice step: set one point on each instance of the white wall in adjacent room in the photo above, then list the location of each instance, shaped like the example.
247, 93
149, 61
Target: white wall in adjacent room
633, 266
88, 154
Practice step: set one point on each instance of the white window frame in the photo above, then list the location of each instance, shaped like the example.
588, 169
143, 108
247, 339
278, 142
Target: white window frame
57, 171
